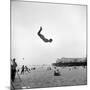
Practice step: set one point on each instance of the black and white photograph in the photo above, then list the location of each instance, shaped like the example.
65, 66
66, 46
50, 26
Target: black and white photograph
48, 44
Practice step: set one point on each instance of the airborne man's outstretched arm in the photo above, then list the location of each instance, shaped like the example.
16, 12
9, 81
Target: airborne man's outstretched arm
39, 33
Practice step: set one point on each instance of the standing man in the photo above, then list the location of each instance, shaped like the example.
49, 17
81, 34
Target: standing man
13, 69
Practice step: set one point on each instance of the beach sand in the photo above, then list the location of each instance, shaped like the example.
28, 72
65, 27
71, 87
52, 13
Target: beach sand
41, 77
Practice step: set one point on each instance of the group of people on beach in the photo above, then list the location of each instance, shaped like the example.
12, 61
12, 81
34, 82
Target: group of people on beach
14, 70
24, 69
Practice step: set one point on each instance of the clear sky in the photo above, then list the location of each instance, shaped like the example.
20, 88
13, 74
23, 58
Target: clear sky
65, 24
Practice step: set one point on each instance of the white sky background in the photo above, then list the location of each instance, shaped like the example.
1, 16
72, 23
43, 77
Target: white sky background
65, 24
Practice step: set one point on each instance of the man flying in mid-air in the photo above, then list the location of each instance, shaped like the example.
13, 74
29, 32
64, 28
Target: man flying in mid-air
42, 36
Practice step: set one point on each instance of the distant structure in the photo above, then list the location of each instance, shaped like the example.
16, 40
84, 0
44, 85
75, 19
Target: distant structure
70, 62
42, 36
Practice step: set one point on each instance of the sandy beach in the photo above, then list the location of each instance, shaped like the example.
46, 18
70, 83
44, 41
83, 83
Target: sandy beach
42, 77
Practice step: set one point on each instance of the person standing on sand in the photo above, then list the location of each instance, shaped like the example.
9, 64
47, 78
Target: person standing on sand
13, 69
22, 69
27, 69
